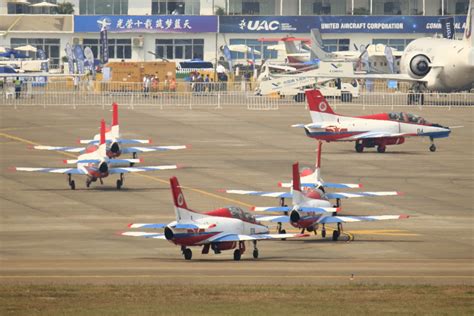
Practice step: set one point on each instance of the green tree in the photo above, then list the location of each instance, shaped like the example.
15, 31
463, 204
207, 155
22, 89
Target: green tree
65, 8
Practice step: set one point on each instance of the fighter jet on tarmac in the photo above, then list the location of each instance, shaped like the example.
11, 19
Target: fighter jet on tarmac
96, 165
221, 229
301, 218
379, 130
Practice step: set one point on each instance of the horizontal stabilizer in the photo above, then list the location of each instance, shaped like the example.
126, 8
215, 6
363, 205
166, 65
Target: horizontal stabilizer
58, 148
352, 219
143, 234
146, 225
360, 194
140, 169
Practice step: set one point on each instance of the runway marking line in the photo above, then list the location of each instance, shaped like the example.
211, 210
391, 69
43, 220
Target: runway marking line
159, 276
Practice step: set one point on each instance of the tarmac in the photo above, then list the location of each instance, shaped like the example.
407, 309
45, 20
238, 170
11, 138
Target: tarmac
51, 234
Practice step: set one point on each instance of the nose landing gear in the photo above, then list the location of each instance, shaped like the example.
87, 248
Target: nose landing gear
120, 182
433, 146
71, 182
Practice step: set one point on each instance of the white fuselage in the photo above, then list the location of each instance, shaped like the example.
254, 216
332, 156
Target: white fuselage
452, 63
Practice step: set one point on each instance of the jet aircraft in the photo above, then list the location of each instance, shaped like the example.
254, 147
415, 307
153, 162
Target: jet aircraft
96, 165
221, 229
379, 130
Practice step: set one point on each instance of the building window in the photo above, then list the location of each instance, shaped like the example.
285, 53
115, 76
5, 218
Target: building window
326, 7
256, 46
179, 48
456, 6
91, 7
398, 44
252, 7
399, 7
51, 47
120, 48
188, 7
333, 45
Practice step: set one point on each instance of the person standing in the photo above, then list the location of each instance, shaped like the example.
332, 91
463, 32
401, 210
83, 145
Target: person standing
17, 88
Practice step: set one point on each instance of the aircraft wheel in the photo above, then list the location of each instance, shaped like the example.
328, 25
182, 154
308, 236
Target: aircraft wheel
72, 184
359, 148
335, 235
237, 255
188, 254
255, 254
381, 149
282, 232
88, 183
433, 148
119, 184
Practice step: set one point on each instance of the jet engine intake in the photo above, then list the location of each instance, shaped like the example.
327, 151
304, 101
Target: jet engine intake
295, 216
169, 235
419, 66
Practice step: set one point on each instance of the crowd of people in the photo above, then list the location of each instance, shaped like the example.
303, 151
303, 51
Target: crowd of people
151, 83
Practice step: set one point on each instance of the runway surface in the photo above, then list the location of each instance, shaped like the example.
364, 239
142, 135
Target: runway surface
50, 233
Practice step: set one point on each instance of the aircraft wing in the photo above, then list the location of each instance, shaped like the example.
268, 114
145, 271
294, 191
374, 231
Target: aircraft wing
351, 219
147, 225
52, 170
379, 135
286, 195
140, 169
345, 195
144, 234
324, 184
274, 218
319, 210
58, 148
129, 150
239, 237
120, 141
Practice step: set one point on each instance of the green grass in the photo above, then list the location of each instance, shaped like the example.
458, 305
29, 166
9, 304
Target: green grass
235, 300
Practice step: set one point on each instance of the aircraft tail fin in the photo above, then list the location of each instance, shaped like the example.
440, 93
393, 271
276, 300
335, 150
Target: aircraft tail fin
468, 36
296, 189
317, 47
102, 149
115, 121
290, 47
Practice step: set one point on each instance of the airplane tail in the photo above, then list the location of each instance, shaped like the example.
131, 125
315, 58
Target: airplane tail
290, 47
298, 197
102, 149
115, 122
317, 47
319, 107
180, 207
468, 36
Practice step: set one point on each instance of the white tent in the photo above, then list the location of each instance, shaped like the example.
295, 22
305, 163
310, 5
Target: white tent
27, 48
44, 4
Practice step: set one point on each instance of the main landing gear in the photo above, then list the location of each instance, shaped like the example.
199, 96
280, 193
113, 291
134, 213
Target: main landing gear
72, 184
120, 182
255, 250
187, 253
433, 146
337, 233
238, 252
381, 148
134, 156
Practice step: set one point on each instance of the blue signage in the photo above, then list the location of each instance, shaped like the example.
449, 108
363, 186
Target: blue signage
146, 23
335, 24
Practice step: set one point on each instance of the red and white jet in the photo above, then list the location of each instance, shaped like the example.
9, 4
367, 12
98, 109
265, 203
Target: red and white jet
379, 130
114, 142
96, 165
305, 219
221, 229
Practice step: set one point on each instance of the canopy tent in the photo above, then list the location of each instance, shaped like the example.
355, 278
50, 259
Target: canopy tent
27, 48
44, 4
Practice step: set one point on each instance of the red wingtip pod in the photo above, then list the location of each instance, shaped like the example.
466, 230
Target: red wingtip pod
130, 225
252, 208
296, 177
317, 102
102, 132
280, 184
178, 197
115, 114
404, 216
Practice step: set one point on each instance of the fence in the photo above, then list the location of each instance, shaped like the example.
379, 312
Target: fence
210, 96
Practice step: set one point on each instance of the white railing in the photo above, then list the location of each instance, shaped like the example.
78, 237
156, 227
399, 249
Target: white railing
211, 98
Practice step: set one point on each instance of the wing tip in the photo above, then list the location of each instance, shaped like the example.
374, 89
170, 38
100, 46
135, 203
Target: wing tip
404, 216
280, 184
180, 166
252, 208
188, 146
222, 190
130, 225
400, 193
11, 169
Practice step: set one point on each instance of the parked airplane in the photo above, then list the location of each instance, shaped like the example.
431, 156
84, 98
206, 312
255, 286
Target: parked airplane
379, 130
114, 142
312, 200
310, 221
221, 229
96, 165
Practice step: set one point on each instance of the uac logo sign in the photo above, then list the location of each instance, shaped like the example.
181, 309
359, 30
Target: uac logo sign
259, 25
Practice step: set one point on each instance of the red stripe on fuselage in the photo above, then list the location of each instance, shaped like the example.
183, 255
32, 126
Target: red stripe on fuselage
193, 239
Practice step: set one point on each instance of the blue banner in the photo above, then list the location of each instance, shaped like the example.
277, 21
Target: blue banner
70, 58
146, 23
335, 24
104, 46
447, 25
79, 57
